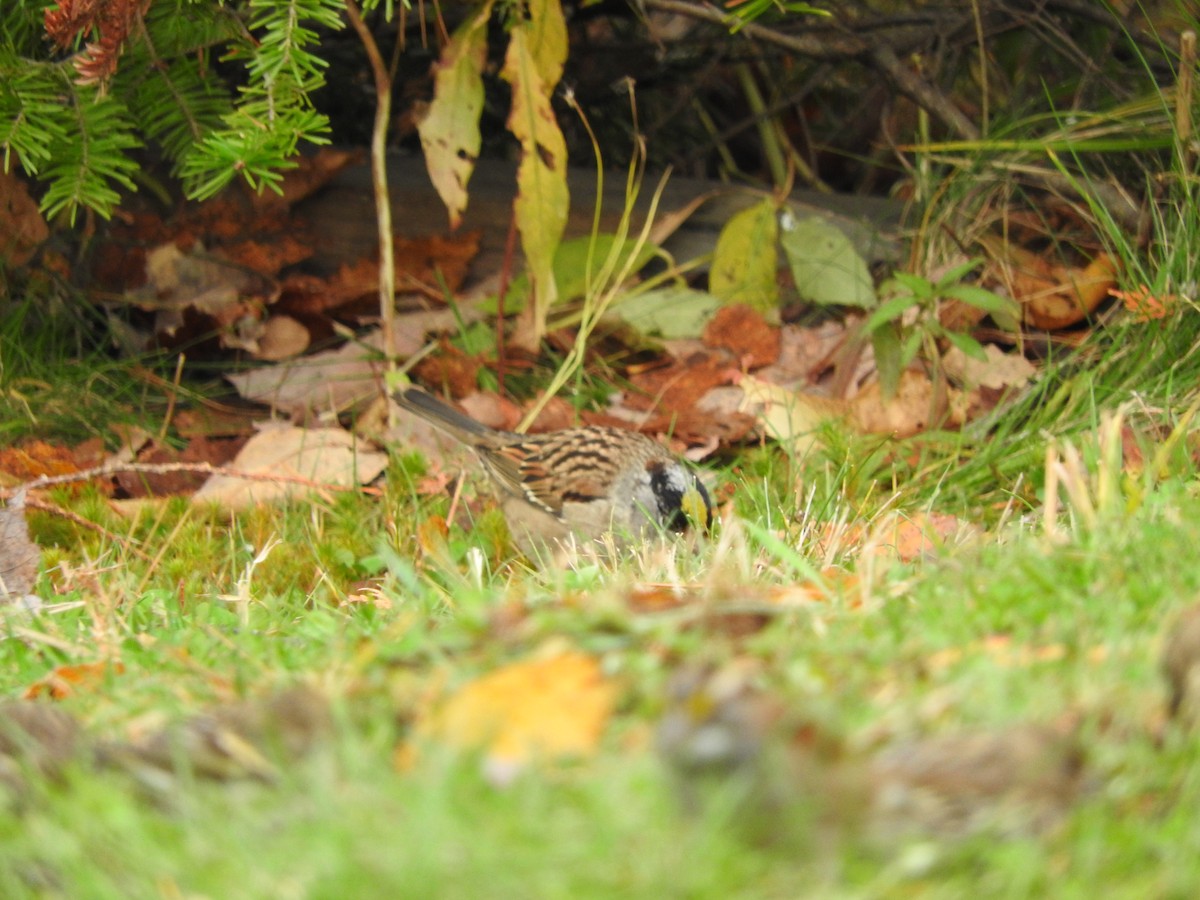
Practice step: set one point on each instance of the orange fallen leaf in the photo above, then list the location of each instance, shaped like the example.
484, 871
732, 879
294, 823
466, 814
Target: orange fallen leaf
1144, 305
63, 681
537, 709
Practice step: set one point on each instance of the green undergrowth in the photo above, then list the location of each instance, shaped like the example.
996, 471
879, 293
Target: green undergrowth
346, 601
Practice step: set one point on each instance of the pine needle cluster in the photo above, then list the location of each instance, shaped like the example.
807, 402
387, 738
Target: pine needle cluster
220, 89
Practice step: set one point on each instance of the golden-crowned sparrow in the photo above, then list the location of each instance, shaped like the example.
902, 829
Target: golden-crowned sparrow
586, 482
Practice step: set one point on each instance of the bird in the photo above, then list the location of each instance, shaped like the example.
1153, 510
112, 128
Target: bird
1180, 667
585, 482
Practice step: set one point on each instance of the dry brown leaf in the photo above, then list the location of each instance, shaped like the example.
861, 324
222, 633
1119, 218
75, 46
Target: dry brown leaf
281, 337
906, 414
1052, 295
340, 379
450, 368
805, 352
310, 174
324, 456
214, 451
745, 333
495, 411
999, 370
33, 460
536, 710
22, 228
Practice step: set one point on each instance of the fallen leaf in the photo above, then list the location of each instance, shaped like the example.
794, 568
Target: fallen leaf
746, 258
450, 368
531, 711
309, 174
906, 414
999, 370
911, 536
22, 228
281, 337
790, 417
746, 334
215, 451
673, 311
1052, 295
64, 681
321, 455
826, 267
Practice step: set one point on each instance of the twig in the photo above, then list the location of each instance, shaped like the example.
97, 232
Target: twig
55, 510
383, 207
1183, 100
838, 46
167, 468
922, 92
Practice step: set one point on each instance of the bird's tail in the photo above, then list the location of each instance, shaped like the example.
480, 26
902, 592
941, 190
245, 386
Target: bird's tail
440, 414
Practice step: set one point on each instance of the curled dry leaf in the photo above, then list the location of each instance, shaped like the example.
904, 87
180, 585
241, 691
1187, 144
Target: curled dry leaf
1053, 295
910, 536
323, 456
910, 412
281, 337
23, 228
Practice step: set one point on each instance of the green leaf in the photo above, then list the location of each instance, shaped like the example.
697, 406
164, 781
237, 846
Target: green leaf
958, 273
672, 312
890, 311
745, 260
981, 298
572, 274
1004, 310
921, 288
578, 262
908, 350
967, 345
888, 362
825, 266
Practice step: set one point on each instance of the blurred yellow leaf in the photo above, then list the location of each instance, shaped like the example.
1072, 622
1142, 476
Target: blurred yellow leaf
531, 710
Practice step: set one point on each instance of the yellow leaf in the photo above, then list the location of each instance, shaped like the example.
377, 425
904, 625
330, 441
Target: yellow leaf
543, 199
536, 709
746, 258
450, 129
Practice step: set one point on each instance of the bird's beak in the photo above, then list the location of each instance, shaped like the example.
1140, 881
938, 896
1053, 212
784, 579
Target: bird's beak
696, 509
